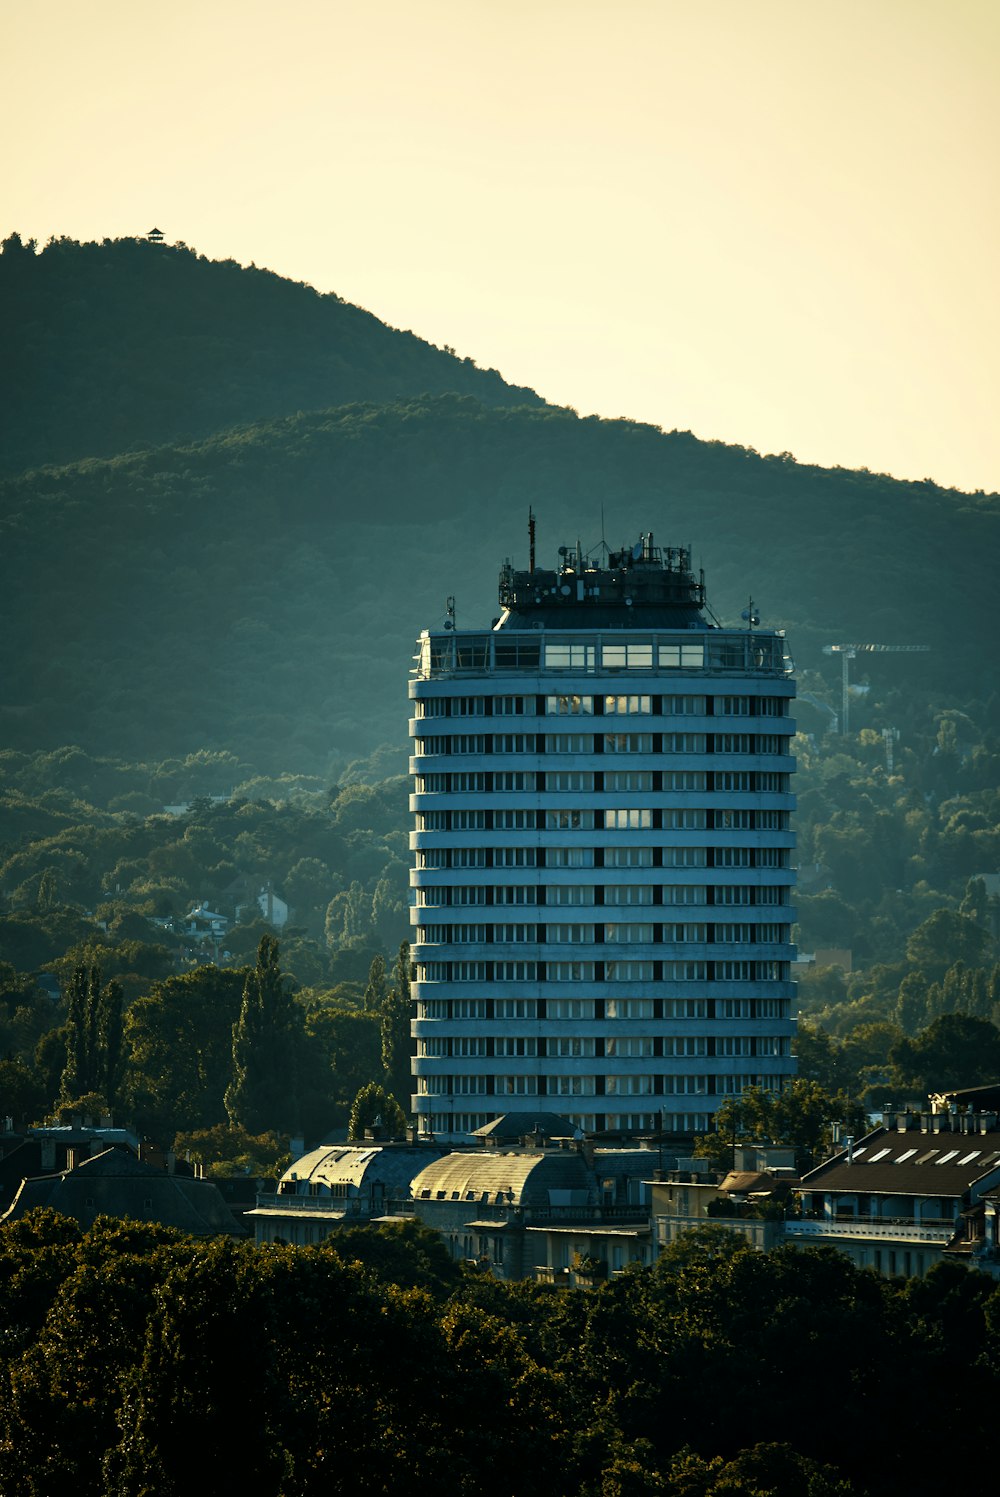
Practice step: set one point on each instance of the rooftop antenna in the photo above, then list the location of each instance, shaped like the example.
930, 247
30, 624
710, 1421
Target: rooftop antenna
449, 609
531, 541
751, 615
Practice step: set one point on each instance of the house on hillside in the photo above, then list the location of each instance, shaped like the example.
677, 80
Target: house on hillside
203, 924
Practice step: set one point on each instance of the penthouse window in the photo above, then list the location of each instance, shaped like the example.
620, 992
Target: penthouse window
625, 654
682, 656
563, 655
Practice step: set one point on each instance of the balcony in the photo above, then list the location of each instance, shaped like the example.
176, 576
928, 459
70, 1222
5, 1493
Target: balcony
937, 1230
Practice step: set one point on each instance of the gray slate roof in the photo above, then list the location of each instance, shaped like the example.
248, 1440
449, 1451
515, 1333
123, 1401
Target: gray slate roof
888, 1162
115, 1183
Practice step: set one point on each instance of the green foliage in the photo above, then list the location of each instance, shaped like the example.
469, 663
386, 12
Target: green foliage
800, 1116
263, 1093
227, 1149
373, 1104
189, 346
93, 1040
178, 1047
954, 1051
372, 1363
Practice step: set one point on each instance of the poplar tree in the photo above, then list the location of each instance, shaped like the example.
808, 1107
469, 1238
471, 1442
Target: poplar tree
93, 1038
262, 1095
394, 1021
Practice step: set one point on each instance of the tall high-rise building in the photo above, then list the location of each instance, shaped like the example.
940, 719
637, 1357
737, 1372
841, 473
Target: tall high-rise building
602, 853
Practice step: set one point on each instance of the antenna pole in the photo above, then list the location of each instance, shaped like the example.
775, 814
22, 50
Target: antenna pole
531, 541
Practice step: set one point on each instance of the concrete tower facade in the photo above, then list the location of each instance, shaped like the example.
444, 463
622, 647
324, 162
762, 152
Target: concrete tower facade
601, 853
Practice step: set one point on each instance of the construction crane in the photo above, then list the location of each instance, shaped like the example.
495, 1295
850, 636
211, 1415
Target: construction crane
848, 653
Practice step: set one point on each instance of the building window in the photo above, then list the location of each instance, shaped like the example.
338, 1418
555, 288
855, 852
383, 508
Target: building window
569, 743
630, 818
619, 894
623, 781
628, 743
617, 706
632, 655
571, 1047
570, 971
684, 706
627, 934
624, 971
569, 894
569, 821
633, 1047
684, 894
569, 706
514, 779
560, 934
569, 779
682, 656
570, 1008
571, 857
568, 655
628, 857
628, 1008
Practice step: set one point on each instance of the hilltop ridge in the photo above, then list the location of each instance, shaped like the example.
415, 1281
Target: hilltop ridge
126, 344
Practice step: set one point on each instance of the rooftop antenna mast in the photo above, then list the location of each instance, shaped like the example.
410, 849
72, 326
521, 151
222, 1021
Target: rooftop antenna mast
531, 541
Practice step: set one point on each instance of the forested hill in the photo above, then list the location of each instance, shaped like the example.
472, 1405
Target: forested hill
261, 590
127, 344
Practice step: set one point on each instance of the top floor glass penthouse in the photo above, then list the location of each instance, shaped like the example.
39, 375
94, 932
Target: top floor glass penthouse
601, 791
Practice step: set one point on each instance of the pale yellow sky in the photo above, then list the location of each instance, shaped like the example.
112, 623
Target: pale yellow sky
772, 222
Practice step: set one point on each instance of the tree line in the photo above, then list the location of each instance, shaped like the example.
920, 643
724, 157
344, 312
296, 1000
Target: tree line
373, 1362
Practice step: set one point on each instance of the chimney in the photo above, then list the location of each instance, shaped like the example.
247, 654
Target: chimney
587, 1151
849, 1146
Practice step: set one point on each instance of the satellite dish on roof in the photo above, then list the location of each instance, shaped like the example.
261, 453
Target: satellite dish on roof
637, 551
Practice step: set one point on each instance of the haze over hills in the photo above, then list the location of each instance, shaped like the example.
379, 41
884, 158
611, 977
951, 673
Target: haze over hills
260, 589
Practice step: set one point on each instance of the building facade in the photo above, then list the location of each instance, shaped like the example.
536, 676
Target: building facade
602, 853
909, 1194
